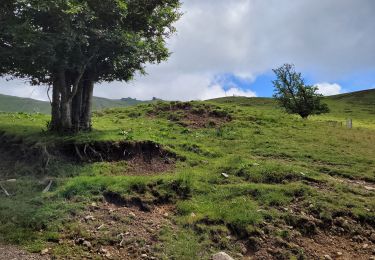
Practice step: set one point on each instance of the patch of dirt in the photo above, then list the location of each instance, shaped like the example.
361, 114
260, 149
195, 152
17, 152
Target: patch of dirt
115, 229
14, 253
143, 157
302, 234
192, 115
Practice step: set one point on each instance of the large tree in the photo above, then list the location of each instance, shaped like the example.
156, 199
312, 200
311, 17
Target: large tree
73, 44
294, 95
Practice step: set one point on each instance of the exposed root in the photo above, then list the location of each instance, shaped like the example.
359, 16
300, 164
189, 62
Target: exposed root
5, 191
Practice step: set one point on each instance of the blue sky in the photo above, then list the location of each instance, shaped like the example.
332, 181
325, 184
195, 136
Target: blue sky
263, 87
229, 47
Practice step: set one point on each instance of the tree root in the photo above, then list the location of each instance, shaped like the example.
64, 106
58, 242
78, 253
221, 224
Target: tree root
5, 191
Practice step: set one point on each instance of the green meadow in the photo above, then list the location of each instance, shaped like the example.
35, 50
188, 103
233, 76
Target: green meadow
249, 179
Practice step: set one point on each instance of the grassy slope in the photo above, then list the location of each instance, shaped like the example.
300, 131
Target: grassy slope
27, 105
274, 160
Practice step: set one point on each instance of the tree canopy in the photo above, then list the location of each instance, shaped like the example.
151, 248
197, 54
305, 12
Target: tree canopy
71, 44
296, 97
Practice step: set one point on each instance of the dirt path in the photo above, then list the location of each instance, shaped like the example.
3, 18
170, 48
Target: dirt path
14, 253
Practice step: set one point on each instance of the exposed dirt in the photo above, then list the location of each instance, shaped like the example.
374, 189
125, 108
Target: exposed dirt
14, 253
112, 230
188, 115
143, 157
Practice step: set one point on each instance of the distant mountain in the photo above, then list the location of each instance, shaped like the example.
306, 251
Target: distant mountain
28, 105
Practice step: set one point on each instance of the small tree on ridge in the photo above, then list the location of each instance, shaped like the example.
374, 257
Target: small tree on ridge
296, 97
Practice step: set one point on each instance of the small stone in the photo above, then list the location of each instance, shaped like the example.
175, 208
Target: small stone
94, 204
372, 237
44, 251
166, 214
131, 214
256, 164
100, 227
144, 256
193, 215
358, 239
89, 218
225, 175
328, 257
221, 256
339, 253
365, 246
87, 244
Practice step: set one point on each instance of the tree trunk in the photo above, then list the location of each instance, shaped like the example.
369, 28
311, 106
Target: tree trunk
77, 108
88, 92
71, 110
56, 98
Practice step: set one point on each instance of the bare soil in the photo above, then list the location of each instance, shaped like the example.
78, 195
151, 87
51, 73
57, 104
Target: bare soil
187, 115
113, 231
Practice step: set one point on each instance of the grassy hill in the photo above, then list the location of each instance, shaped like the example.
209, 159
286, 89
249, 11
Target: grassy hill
27, 105
186, 180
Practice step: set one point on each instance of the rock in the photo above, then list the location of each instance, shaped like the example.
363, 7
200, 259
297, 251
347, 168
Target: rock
339, 253
242, 248
256, 164
144, 256
100, 227
225, 175
79, 241
372, 237
193, 215
358, 239
131, 214
365, 246
87, 244
89, 218
166, 214
369, 188
328, 257
341, 222
103, 250
44, 251
221, 256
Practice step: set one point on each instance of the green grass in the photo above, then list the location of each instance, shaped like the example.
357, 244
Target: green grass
273, 160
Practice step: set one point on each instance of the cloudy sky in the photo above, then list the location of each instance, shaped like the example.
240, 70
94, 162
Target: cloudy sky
229, 47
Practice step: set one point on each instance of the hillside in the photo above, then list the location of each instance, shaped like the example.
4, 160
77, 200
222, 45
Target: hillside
27, 105
185, 180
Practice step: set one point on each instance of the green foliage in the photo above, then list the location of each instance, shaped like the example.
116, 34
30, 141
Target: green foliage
111, 39
292, 93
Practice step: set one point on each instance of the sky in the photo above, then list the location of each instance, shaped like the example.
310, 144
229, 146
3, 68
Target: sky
229, 47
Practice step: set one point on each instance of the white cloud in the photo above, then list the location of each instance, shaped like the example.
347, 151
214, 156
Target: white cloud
21, 88
328, 89
326, 39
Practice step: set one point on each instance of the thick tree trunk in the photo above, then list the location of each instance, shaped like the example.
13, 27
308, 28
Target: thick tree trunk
71, 110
